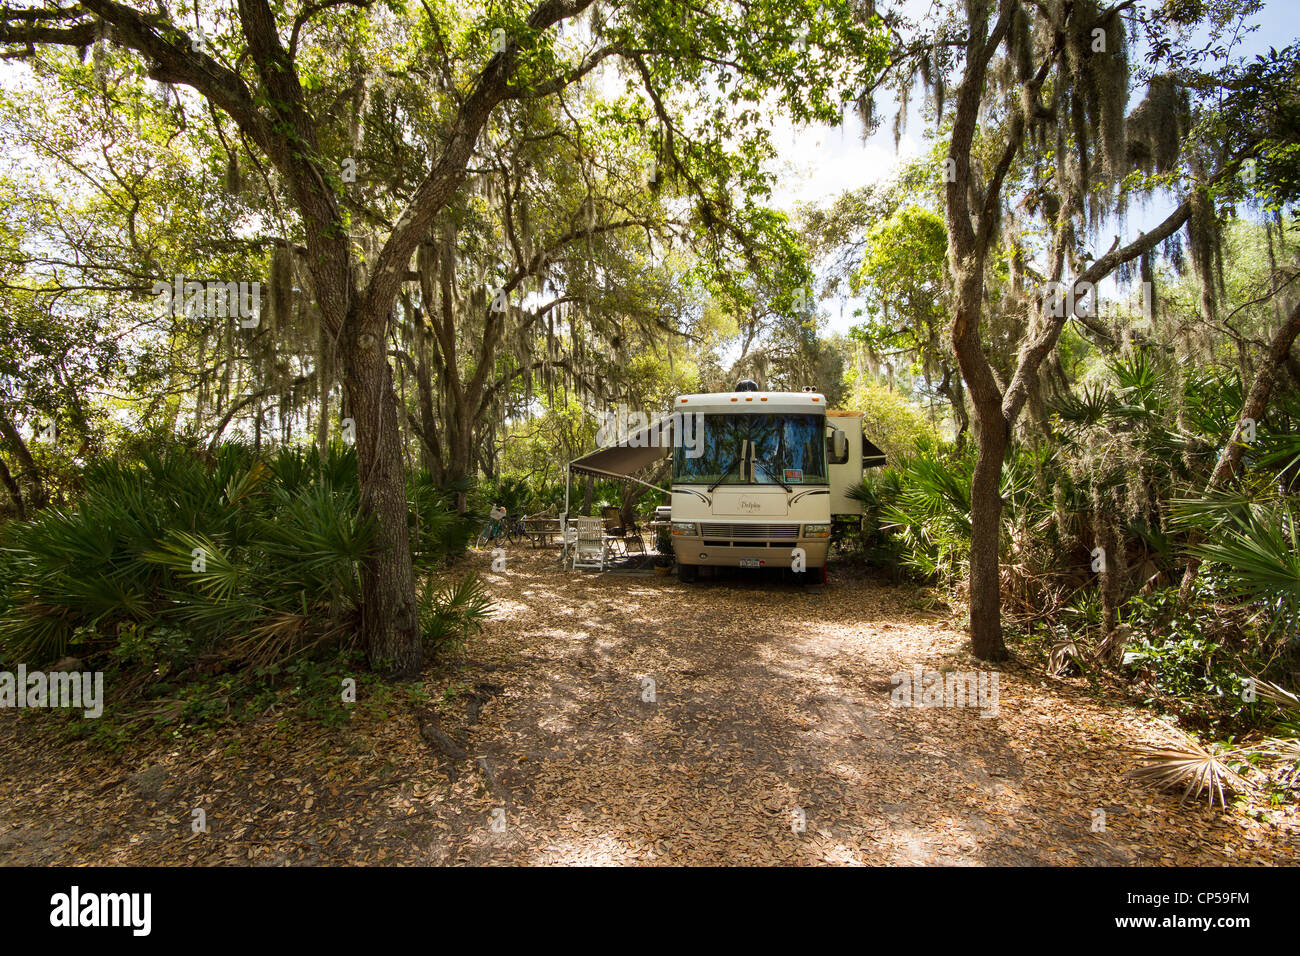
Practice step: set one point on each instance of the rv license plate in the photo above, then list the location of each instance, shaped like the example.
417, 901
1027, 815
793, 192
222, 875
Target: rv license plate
751, 562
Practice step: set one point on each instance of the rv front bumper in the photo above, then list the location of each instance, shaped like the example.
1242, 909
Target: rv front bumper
737, 554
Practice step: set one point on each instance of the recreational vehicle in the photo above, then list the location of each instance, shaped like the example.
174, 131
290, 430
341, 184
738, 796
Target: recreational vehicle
755, 476
769, 474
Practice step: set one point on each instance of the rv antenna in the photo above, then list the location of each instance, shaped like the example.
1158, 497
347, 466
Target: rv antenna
746, 385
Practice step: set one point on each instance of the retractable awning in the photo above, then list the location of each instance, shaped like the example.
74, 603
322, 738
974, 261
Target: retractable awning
872, 457
638, 451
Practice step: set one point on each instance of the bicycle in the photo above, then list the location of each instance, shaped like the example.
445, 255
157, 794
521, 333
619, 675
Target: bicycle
508, 530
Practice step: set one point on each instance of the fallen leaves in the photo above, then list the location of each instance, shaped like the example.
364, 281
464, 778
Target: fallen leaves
770, 702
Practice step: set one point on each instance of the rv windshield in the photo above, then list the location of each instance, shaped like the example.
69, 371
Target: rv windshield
784, 449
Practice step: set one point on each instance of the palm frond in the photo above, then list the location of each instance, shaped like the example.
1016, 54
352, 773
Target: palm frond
1182, 761
449, 611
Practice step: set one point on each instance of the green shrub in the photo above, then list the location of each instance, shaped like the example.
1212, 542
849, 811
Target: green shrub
918, 509
1187, 662
184, 552
450, 611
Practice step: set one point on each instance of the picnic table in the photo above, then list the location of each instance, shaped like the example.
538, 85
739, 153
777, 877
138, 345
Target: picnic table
540, 531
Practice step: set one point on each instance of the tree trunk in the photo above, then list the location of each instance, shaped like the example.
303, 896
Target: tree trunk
632, 495
951, 389
390, 626
428, 430
459, 429
15, 493
985, 544
38, 498
1113, 579
992, 436
323, 422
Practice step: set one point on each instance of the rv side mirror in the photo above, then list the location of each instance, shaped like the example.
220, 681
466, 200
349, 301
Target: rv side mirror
837, 447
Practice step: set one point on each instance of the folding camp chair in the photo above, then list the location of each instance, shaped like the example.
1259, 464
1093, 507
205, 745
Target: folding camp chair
590, 549
632, 536
613, 519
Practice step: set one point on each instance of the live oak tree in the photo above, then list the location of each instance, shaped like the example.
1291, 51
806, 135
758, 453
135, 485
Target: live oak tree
886, 243
778, 341
272, 111
287, 80
901, 278
53, 359
567, 205
1261, 114
106, 177
544, 274
1036, 95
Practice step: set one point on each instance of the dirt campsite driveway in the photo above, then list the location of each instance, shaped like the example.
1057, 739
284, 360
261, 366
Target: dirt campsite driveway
767, 736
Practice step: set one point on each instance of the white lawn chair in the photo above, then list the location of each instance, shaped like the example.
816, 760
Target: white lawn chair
568, 539
590, 549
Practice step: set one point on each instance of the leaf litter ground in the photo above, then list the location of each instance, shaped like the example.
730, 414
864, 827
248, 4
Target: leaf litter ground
771, 739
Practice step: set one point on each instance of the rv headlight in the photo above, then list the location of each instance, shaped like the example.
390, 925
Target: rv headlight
816, 531
686, 527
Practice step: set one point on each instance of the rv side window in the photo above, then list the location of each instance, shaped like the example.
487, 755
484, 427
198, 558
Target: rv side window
837, 447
